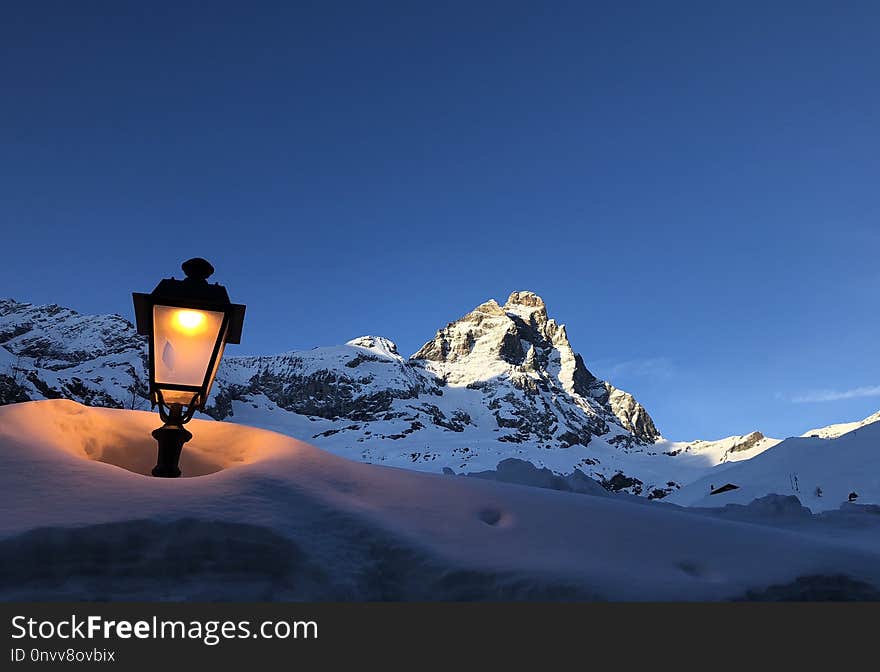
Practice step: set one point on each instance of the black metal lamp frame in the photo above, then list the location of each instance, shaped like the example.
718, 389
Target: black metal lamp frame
194, 292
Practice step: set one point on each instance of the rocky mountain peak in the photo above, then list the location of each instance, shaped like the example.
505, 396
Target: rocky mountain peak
484, 333
531, 309
490, 339
494, 332
525, 299
519, 343
490, 307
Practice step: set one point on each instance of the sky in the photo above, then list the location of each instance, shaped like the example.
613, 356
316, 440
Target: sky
691, 187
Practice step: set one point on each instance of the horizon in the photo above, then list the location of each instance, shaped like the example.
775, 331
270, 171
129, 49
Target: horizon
702, 216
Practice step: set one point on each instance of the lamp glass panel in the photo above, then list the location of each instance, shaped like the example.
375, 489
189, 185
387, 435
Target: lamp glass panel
183, 341
181, 397
216, 366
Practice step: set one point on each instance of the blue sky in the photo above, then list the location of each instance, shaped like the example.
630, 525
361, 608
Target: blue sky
692, 187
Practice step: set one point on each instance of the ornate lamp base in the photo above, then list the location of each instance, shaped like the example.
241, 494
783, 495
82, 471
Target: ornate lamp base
171, 439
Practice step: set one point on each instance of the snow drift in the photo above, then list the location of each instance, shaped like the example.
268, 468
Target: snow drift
263, 516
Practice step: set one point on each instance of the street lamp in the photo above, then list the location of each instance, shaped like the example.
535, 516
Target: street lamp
189, 322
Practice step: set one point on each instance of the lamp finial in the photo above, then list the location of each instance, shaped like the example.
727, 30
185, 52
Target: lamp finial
197, 268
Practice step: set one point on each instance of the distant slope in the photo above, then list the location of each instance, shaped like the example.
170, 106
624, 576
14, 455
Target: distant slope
798, 466
721, 451
833, 431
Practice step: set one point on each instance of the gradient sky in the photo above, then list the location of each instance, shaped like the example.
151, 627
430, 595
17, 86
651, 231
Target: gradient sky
692, 187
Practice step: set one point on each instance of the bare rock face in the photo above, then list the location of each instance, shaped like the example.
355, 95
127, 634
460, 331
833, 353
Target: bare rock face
358, 381
748, 442
457, 339
631, 414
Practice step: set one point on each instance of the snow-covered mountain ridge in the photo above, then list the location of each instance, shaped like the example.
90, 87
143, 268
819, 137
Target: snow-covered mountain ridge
502, 381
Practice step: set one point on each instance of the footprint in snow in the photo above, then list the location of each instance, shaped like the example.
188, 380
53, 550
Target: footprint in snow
490, 516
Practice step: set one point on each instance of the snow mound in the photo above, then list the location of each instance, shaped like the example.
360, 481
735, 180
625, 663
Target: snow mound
522, 472
100, 434
264, 516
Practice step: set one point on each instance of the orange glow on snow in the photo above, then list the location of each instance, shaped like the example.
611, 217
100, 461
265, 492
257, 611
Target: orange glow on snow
62, 429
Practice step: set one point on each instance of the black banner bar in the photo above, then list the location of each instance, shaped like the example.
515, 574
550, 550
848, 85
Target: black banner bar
232, 635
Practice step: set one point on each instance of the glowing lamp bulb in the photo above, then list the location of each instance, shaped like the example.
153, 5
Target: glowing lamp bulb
189, 320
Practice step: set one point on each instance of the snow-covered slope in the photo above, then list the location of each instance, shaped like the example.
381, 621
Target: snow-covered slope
820, 472
721, 451
267, 517
49, 352
833, 431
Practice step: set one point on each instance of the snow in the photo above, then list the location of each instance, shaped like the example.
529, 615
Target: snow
69, 335
850, 463
833, 431
377, 345
477, 448
440, 414
312, 525
716, 452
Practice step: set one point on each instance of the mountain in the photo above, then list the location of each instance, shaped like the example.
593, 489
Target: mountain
501, 350
820, 472
49, 352
500, 382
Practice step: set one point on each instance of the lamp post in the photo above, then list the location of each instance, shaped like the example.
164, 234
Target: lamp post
188, 322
